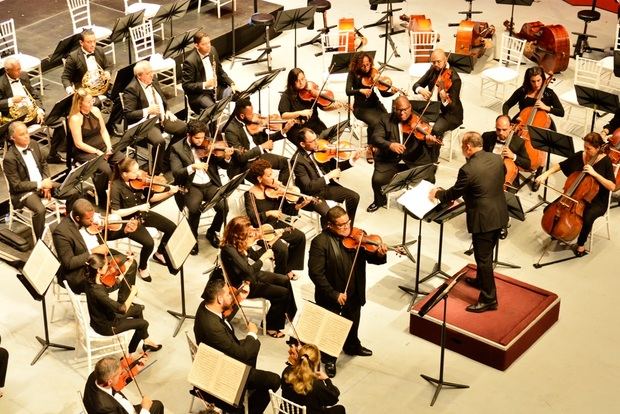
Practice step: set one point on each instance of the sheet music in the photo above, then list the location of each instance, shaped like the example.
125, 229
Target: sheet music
323, 328
180, 244
41, 267
218, 374
416, 199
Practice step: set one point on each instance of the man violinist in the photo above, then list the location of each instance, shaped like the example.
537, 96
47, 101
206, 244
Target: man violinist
395, 150
448, 85
329, 267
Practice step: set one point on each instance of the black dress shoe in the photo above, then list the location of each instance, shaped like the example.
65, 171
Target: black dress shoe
472, 281
482, 307
213, 239
151, 348
361, 351
55, 159
194, 251
330, 369
374, 207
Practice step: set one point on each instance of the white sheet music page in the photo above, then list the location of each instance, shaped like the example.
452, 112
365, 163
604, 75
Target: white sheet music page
416, 199
41, 267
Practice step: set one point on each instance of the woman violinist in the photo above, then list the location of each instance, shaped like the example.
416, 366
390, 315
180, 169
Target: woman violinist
128, 198
601, 169
109, 317
239, 236
289, 256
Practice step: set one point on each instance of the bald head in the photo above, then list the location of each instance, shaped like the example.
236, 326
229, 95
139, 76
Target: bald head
439, 59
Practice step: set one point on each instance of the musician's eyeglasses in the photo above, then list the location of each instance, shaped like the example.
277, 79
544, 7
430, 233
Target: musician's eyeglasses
342, 225
402, 109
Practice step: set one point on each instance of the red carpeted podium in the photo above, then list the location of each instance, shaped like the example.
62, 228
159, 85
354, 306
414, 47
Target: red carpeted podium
495, 338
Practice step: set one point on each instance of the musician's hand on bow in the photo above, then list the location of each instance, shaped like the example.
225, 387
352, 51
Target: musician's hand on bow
274, 213
335, 173
252, 327
267, 145
306, 112
143, 207
426, 94
366, 92
287, 127
507, 153
244, 291
210, 84
342, 299
543, 177
146, 403
397, 148
200, 166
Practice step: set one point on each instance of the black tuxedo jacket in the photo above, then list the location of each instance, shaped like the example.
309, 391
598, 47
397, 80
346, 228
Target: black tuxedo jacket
6, 92
194, 73
134, 100
181, 157
17, 174
517, 145
97, 401
306, 176
453, 112
72, 253
481, 184
75, 66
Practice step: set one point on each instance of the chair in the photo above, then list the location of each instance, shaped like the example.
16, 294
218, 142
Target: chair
218, 4
604, 218
81, 402
259, 304
150, 10
421, 45
281, 405
506, 73
88, 339
607, 63
80, 19
143, 46
8, 48
587, 73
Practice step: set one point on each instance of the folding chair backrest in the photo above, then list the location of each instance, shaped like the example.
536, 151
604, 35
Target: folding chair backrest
587, 72
422, 45
617, 44
80, 318
80, 13
512, 51
142, 40
281, 405
8, 40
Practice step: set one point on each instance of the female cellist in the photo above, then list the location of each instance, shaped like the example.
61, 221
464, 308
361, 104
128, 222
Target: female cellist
595, 163
289, 256
109, 317
127, 201
239, 236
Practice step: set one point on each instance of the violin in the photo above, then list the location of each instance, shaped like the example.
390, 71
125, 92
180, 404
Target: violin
382, 83
323, 98
444, 82
269, 234
292, 195
114, 222
240, 294
326, 151
159, 184
271, 122
369, 242
129, 369
116, 269
417, 127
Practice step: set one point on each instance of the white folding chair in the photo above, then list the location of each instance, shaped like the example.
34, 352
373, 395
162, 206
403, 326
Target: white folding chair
80, 19
333, 43
218, 4
281, 405
150, 10
587, 73
506, 73
602, 221
143, 45
81, 402
89, 340
8, 49
422, 45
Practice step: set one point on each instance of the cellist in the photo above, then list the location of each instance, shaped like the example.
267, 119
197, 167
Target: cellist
601, 169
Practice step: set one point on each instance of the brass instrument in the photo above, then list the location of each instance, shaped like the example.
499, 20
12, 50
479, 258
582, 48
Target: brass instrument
96, 82
214, 76
27, 106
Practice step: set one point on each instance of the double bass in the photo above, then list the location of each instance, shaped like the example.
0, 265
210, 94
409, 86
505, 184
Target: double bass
349, 38
547, 45
473, 38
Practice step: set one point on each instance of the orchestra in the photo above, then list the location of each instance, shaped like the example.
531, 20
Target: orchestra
238, 173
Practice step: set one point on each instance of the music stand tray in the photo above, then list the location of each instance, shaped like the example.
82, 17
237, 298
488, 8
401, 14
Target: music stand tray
224, 191
179, 43
332, 131
597, 100
257, 85
213, 112
123, 76
291, 20
65, 46
341, 61
410, 177
123, 23
171, 11
78, 175
461, 63
59, 111
134, 134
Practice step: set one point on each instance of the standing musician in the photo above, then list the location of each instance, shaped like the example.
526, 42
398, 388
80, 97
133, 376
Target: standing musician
601, 169
319, 180
239, 237
395, 150
448, 85
212, 328
74, 244
255, 144
144, 99
194, 169
495, 141
339, 280
129, 202
28, 175
109, 317
91, 139
204, 80
289, 256
4, 361
481, 184
100, 398
305, 384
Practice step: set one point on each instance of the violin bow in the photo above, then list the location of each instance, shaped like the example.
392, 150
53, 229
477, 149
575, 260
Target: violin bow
227, 281
318, 95
288, 182
260, 226
357, 251
131, 375
295, 334
148, 196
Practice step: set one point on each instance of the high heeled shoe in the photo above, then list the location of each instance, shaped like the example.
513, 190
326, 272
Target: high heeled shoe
151, 348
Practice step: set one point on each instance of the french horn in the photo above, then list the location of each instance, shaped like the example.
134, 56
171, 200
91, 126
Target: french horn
96, 82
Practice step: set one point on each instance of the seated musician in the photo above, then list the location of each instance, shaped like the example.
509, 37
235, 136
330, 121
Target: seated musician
110, 317
194, 169
255, 144
448, 85
128, 202
4, 361
100, 398
74, 243
144, 99
611, 127
212, 329
28, 176
329, 267
395, 150
204, 80
87, 58
319, 180
239, 238
495, 141
289, 256
597, 165
305, 384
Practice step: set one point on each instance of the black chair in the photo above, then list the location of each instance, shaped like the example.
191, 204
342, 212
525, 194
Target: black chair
582, 45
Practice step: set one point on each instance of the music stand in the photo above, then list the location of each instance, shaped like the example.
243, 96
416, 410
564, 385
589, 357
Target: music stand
210, 114
170, 11
431, 112
290, 20
257, 86
470, 10
441, 294
597, 100
36, 276
514, 3
389, 32
461, 63
77, 176
179, 43
123, 76
134, 134
224, 191
515, 210
5, 127
60, 110
332, 132
65, 46
120, 31
554, 143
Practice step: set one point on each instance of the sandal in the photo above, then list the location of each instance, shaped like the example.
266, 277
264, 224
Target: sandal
276, 334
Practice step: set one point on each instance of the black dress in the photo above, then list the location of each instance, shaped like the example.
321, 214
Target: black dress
292, 103
320, 400
368, 110
520, 97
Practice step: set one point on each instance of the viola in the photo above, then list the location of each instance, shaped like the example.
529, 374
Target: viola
116, 268
326, 151
270, 234
369, 242
382, 83
129, 369
216, 149
416, 126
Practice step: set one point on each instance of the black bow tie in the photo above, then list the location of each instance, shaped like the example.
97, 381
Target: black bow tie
14, 81
499, 141
89, 55
25, 151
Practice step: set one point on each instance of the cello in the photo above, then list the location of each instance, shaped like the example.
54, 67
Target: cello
547, 45
511, 168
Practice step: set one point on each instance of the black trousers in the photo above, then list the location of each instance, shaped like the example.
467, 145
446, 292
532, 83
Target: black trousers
352, 311
340, 194
441, 126
133, 319
484, 244
156, 408
590, 214
277, 289
382, 175
4, 362
370, 116
290, 255
144, 238
193, 199
177, 129
33, 202
104, 173
207, 99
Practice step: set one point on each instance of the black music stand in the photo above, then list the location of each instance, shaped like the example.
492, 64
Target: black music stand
212, 113
257, 86
333, 132
469, 11
134, 134
65, 46
77, 176
224, 191
59, 111
171, 11
120, 31
123, 76
291, 20
514, 3
554, 143
597, 100
441, 294
179, 43
461, 63
389, 31
515, 210
432, 110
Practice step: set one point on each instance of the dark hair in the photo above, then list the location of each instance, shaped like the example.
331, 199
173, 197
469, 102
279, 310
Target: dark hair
81, 206
241, 105
356, 62
257, 169
123, 166
105, 368
195, 127
503, 116
595, 139
334, 214
86, 32
212, 289
291, 79
199, 35
94, 262
530, 73
301, 134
